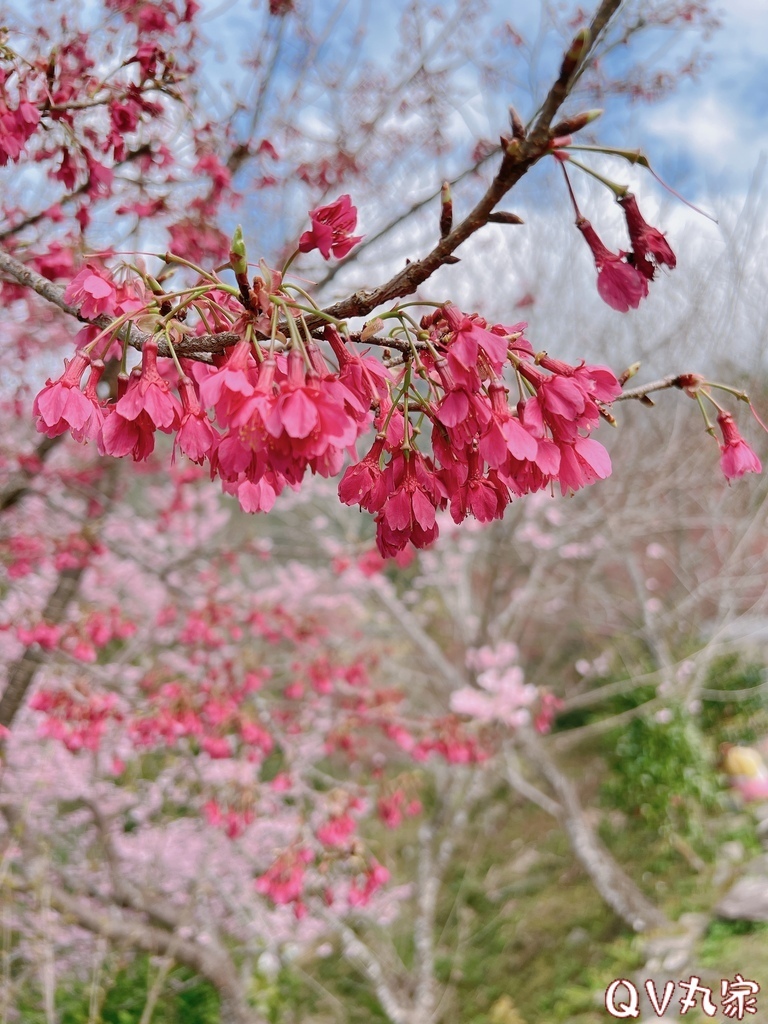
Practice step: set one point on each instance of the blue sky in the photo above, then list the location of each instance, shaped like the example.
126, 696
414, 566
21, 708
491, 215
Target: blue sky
705, 137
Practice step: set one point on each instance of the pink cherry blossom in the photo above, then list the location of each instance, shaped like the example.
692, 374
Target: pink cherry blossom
332, 227
197, 436
737, 458
150, 393
93, 292
363, 484
619, 283
650, 247
61, 405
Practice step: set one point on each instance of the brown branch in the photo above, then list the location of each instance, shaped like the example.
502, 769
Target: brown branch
401, 218
31, 279
562, 87
642, 391
193, 346
519, 156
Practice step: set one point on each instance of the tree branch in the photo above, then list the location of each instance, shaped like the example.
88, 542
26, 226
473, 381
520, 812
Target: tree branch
211, 963
616, 888
674, 380
360, 954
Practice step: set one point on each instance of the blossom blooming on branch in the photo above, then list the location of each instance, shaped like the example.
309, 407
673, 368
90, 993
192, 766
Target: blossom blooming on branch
649, 246
280, 409
619, 283
737, 458
61, 405
150, 393
93, 292
331, 230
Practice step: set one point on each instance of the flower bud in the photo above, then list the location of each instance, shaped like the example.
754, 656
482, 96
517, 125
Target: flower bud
575, 123
503, 217
518, 128
629, 373
575, 54
237, 256
446, 209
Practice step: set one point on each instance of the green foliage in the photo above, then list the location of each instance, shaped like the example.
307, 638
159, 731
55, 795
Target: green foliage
663, 774
184, 999
728, 942
745, 718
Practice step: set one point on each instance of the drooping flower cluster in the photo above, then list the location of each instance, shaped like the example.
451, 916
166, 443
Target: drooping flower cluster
622, 277
289, 397
484, 452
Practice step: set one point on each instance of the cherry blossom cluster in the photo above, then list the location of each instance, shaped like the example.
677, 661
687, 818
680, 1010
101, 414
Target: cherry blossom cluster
205, 698
92, 111
47, 91
467, 415
623, 276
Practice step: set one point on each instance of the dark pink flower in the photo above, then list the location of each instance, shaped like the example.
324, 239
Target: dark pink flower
737, 457
582, 462
283, 882
412, 502
650, 247
364, 484
332, 228
229, 386
259, 495
92, 291
308, 405
505, 434
470, 335
61, 405
91, 429
151, 394
336, 831
120, 436
619, 284
196, 436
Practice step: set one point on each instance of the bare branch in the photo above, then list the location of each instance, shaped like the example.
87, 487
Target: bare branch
674, 380
616, 888
358, 953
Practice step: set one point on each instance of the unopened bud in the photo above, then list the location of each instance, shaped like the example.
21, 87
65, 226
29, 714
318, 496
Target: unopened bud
509, 146
446, 209
237, 256
575, 123
502, 217
629, 373
575, 53
518, 128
